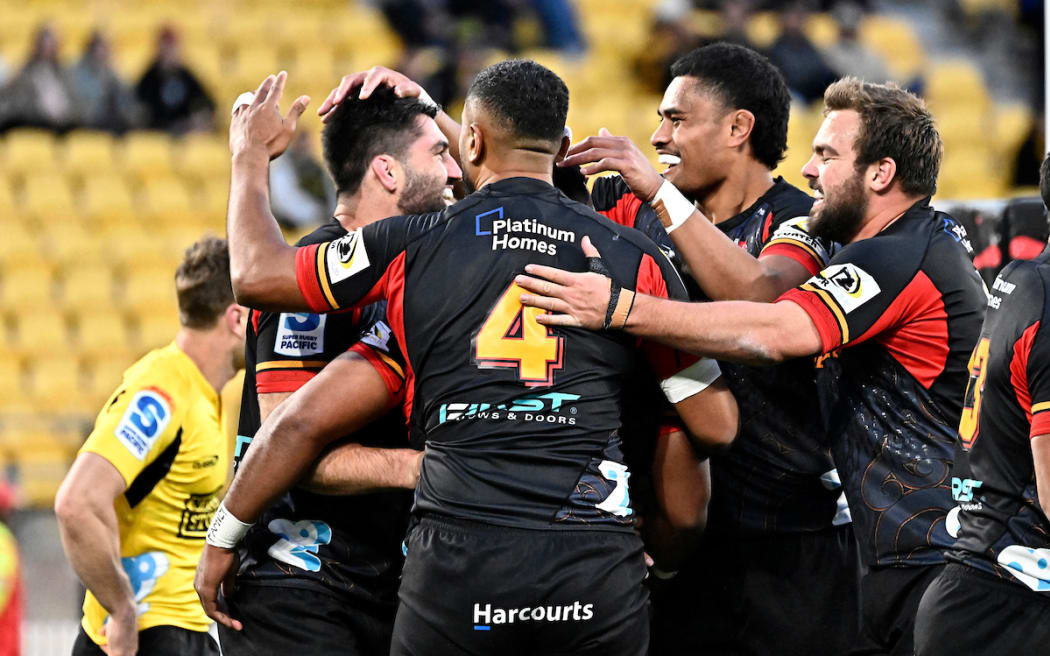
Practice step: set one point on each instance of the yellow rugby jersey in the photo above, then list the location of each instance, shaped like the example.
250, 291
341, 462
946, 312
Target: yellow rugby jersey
162, 430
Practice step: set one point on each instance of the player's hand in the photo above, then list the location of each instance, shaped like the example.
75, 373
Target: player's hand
369, 81
217, 567
122, 633
579, 299
606, 152
260, 124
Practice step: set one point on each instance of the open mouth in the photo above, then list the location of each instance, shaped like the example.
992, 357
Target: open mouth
669, 160
448, 196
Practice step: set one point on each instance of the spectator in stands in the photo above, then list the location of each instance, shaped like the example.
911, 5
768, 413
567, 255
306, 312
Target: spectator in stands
560, 25
301, 191
804, 68
106, 102
848, 56
42, 94
174, 99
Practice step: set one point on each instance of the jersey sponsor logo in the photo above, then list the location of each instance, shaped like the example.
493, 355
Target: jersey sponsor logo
300, 334
847, 284
550, 408
487, 616
962, 491
1003, 286
299, 542
520, 234
957, 231
378, 336
796, 230
1029, 566
346, 256
197, 511
143, 572
148, 414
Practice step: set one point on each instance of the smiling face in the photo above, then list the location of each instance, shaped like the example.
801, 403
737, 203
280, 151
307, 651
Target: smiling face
691, 138
430, 171
842, 197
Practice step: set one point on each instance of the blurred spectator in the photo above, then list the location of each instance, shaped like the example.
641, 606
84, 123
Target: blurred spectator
987, 257
560, 25
1023, 230
669, 38
10, 578
174, 99
106, 102
848, 56
41, 94
301, 192
804, 68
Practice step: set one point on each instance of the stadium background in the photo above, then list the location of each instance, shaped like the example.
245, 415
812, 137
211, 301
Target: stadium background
92, 225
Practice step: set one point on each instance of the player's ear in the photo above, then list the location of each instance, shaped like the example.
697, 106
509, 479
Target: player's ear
566, 141
387, 171
741, 124
475, 144
881, 174
236, 318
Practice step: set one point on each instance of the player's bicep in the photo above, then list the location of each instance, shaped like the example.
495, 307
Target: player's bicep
1037, 371
1041, 462
92, 481
272, 285
781, 273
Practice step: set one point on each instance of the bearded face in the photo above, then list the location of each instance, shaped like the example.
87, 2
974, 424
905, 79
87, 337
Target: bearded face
424, 192
839, 211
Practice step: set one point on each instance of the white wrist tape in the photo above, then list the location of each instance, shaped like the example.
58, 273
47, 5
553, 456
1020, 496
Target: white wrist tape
425, 98
671, 206
225, 530
692, 380
661, 574
245, 98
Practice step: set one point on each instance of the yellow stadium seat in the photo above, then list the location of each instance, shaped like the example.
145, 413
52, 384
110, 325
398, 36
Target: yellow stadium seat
315, 66
57, 383
895, 40
7, 197
255, 61
88, 153
956, 83
48, 196
763, 28
106, 200
156, 330
18, 246
149, 287
105, 374
167, 200
207, 63
41, 470
13, 381
1012, 125
27, 151
147, 155
88, 287
42, 332
300, 30
102, 333
134, 247
963, 126
204, 156
130, 59
28, 287
822, 30
250, 25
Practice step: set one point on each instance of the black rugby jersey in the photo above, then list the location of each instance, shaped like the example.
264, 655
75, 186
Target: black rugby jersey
1002, 527
772, 479
898, 315
349, 544
521, 421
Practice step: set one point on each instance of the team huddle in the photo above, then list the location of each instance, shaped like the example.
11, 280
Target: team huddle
690, 412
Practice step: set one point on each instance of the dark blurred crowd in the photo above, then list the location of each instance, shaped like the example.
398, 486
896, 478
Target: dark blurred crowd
45, 93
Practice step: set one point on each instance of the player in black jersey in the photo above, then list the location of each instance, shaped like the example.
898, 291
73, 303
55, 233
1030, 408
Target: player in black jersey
993, 595
525, 522
333, 562
896, 314
778, 563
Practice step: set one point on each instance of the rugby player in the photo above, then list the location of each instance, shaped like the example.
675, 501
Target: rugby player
778, 565
994, 589
523, 505
135, 506
896, 314
329, 560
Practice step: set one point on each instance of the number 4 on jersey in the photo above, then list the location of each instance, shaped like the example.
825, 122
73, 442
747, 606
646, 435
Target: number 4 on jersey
511, 337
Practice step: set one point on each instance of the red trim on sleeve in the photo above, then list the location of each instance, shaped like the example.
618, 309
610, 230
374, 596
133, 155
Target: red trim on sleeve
671, 427
812, 265
306, 276
625, 211
1040, 424
1019, 370
395, 317
820, 314
650, 279
395, 384
281, 380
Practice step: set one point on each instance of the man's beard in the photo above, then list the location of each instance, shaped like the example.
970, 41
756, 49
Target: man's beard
842, 214
422, 194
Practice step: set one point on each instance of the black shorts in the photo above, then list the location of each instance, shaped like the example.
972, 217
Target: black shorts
967, 611
787, 593
283, 620
157, 641
889, 599
478, 589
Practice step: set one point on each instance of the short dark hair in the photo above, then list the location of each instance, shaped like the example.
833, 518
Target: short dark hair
894, 124
361, 129
202, 283
528, 100
743, 79
1044, 180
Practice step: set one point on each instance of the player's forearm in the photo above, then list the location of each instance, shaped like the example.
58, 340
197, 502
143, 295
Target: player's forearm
356, 469
450, 128
91, 541
262, 265
724, 271
1041, 462
737, 331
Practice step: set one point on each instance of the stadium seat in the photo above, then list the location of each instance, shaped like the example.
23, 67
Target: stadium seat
202, 157
106, 373
57, 384
13, 382
956, 83
822, 29
763, 28
19, 247
895, 40
41, 332
101, 333
147, 155
69, 244
41, 470
156, 329
107, 201
87, 153
961, 126
167, 200
7, 197
146, 288
48, 196
315, 66
255, 61
27, 151
28, 288
88, 287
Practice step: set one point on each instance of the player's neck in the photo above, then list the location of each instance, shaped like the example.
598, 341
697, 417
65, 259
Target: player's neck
744, 185
210, 352
358, 210
519, 163
883, 211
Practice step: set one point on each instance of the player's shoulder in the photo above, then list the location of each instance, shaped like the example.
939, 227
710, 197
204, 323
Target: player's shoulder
787, 202
164, 368
607, 191
328, 232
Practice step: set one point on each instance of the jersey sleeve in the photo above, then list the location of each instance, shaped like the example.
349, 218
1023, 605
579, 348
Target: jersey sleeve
613, 199
379, 347
291, 348
355, 269
792, 239
1038, 374
140, 421
866, 290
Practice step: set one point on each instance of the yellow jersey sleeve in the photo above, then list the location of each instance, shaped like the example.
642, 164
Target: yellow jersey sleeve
140, 420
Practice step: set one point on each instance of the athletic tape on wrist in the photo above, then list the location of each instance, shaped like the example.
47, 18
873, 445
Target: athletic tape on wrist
671, 206
691, 381
621, 301
225, 530
425, 98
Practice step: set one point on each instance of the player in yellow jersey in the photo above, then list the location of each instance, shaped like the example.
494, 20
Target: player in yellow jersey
134, 508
